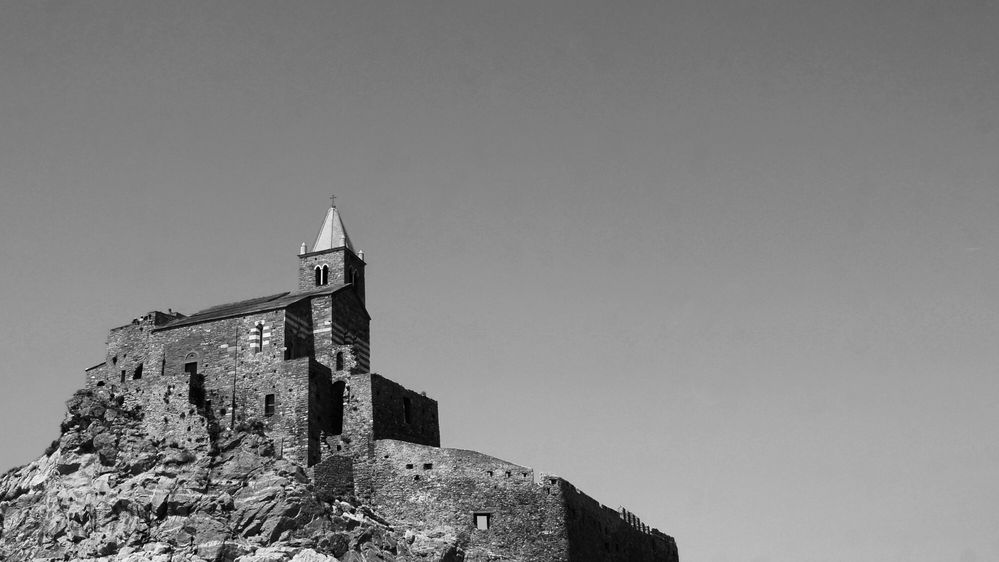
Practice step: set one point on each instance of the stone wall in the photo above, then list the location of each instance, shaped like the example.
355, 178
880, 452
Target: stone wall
341, 326
400, 413
128, 347
344, 268
240, 360
307, 264
240, 368
600, 534
298, 330
168, 417
350, 332
353, 273
363, 436
428, 488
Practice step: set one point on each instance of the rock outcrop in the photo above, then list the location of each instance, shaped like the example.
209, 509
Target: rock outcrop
106, 491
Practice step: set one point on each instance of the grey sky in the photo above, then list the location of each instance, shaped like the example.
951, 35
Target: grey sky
732, 265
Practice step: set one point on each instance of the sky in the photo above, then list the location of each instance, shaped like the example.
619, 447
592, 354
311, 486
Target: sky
731, 265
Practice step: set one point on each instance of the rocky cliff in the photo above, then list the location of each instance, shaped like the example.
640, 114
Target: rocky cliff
106, 491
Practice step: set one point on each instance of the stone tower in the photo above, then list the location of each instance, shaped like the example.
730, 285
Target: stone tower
332, 259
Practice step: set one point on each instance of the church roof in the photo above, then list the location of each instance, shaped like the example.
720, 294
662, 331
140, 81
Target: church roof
332, 234
250, 306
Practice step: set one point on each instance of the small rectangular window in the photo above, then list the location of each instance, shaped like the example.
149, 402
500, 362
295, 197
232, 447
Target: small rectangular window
482, 521
269, 405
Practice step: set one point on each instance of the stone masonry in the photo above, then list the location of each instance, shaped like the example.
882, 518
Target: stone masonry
299, 363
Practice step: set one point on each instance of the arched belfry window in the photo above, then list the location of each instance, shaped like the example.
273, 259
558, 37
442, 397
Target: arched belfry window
326, 275
319, 276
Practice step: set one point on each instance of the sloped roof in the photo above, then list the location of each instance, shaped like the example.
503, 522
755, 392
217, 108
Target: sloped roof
332, 234
250, 306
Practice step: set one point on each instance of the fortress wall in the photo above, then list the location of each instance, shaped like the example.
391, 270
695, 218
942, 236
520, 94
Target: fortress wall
598, 533
326, 410
333, 477
134, 350
433, 489
334, 474
373, 408
128, 347
167, 414
400, 413
355, 439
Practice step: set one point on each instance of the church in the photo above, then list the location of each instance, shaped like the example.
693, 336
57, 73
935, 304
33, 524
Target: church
298, 364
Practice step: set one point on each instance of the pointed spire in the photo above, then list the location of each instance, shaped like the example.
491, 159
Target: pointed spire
332, 234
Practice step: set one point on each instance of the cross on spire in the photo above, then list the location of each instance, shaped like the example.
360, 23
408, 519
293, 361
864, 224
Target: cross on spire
332, 201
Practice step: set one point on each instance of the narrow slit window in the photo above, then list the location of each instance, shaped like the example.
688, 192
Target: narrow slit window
339, 360
257, 338
407, 410
269, 405
137, 373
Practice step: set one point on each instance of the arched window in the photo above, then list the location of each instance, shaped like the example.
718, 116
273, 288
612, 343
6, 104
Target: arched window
326, 275
339, 360
319, 276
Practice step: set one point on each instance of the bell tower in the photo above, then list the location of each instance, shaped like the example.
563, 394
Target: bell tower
332, 259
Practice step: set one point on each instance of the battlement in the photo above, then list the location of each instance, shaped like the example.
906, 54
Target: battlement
596, 528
